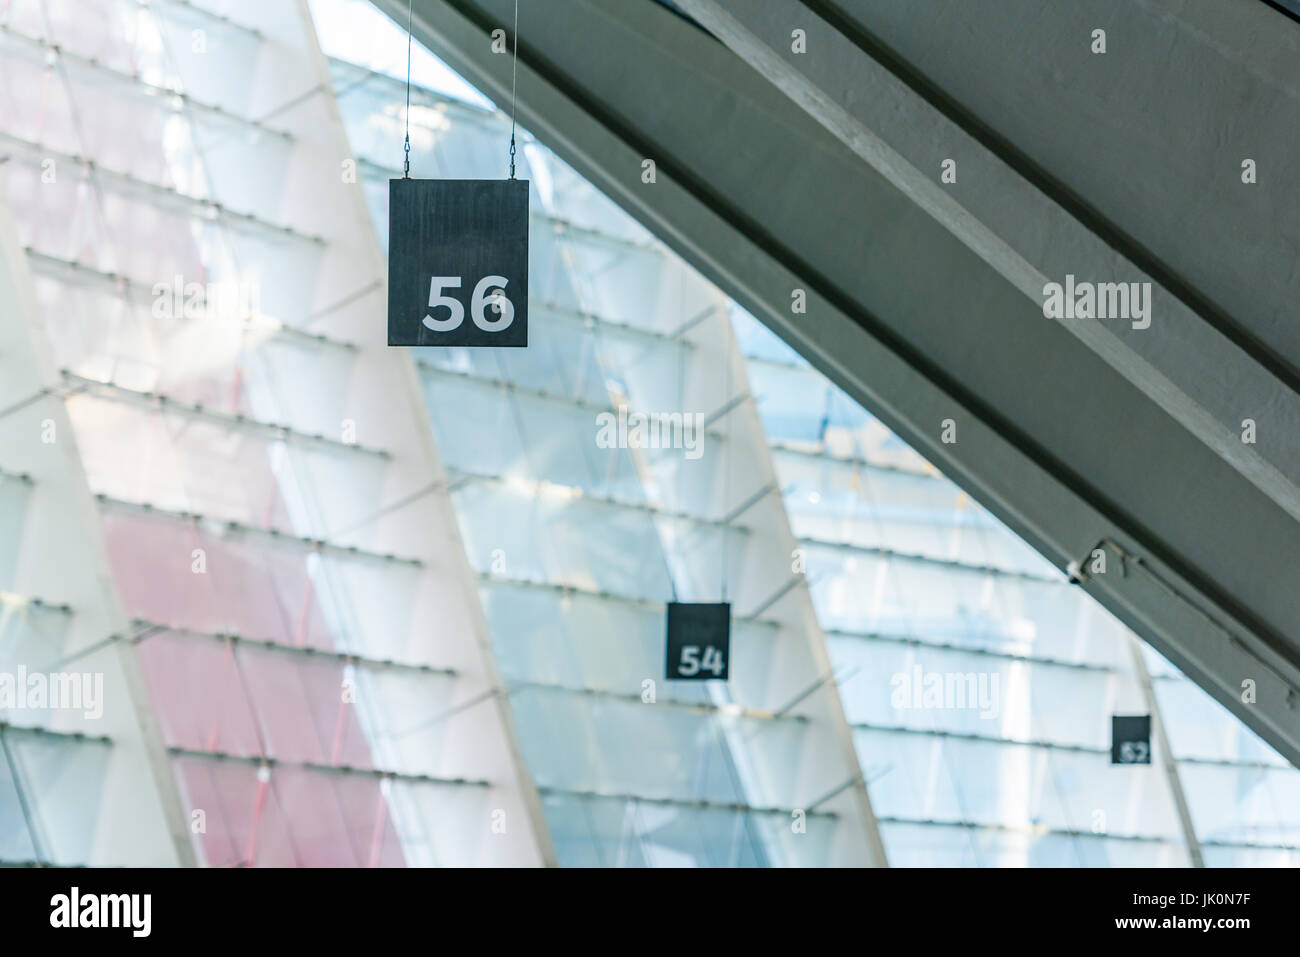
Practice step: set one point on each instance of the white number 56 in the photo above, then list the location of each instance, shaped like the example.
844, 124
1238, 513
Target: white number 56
503, 307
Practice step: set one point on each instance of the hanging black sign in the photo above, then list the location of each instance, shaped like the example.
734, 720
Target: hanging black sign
1130, 739
699, 641
458, 262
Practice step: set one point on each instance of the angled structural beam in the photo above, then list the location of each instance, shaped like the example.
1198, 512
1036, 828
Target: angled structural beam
1041, 196
1086, 437
1005, 203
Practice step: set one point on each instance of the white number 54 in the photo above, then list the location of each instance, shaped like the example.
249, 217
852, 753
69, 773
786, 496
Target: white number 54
503, 307
691, 664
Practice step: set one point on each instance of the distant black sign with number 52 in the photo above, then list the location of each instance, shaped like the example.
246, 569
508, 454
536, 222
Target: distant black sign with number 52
457, 262
1130, 739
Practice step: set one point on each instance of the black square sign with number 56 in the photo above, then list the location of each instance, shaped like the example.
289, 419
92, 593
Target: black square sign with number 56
458, 262
699, 641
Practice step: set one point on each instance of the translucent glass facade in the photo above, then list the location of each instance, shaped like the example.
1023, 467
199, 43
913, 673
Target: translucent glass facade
262, 488
579, 547
907, 572
360, 606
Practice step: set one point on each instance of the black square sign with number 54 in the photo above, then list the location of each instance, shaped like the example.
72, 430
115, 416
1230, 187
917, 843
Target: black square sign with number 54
458, 262
699, 641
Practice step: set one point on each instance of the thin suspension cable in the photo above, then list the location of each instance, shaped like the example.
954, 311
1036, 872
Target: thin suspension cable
406, 167
514, 75
727, 451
